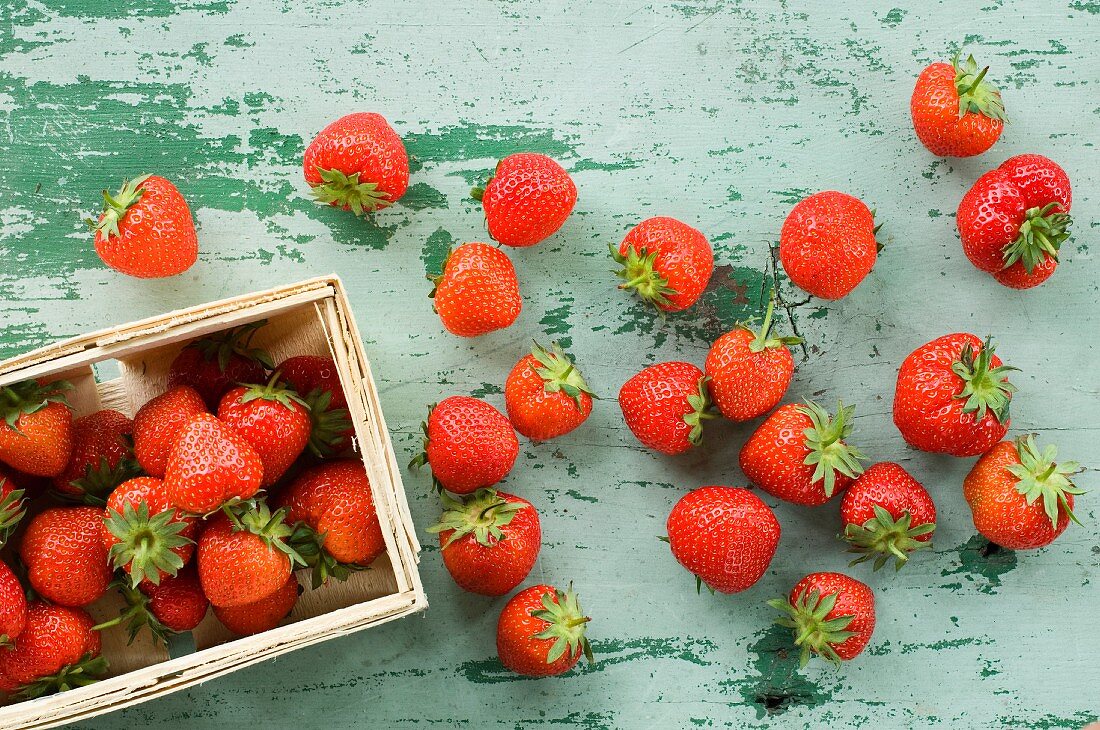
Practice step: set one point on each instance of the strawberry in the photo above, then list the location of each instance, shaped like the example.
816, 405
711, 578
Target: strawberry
143, 534
832, 615
887, 513
36, 432
317, 381
953, 396
749, 371
489, 540
357, 163
540, 632
665, 262
468, 444
800, 454
56, 651
827, 245
477, 291
13, 607
263, 615
145, 229
65, 556
1019, 496
724, 536
546, 395
158, 423
956, 111
215, 364
273, 420
102, 457
13, 507
211, 464
527, 200
1014, 220
665, 405
175, 605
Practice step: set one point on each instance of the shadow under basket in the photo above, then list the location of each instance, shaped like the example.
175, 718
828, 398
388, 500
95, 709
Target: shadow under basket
309, 318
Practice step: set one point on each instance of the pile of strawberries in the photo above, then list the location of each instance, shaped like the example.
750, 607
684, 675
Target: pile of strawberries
239, 473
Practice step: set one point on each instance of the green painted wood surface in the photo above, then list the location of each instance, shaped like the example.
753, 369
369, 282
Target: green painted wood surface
720, 113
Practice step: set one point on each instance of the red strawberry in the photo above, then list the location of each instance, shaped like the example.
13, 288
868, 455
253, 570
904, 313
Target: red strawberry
1014, 220
468, 444
212, 365
832, 615
725, 536
665, 405
143, 533
317, 381
273, 420
749, 371
546, 395
175, 605
65, 556
887, 513
477, 291
158, 424
665, 262
800, 454
36, 427
1019, 496
540, 632
210, 465
489, 540
102, 457
357, 163
57, 650
13, 507
956, 111
263, 615
145, 229
308, 373
953, 396
13, 607
527, 200
827, 245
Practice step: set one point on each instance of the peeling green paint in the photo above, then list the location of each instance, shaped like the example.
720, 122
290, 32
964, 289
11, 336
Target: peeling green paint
982, 564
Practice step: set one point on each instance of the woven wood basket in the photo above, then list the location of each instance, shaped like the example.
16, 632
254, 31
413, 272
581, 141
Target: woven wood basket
311, 317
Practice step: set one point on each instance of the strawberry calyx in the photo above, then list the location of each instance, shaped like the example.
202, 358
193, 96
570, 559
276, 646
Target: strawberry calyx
985, 388
1041, 477
28, 397
883, 537
136, 615
255, 517
482, 514
825, 442
700, 404
347, 192
640, 275
12, 509
422, 458
327, 426
814, 632
437, 278
222, 346
80, 674
99, 480
976, 93
310, 545
559, 373
566, 624
764, 339
1042, 234
115, 206
146, 542
273, 390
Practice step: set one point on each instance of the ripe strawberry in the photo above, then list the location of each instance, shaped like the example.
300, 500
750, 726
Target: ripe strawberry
13, 507
749, 371
887, 513
489, 540
827, 245
953, 396
309, 373
546, 395
176, 605
1014, 220
527, 200
210, 465
13, 607
65, 556
801, 454
468, 444
1019, 496
477, 291
956, 111
36, 432
158, 424
145, 229
144, 535
244, 554
102, 457
540, 632
724, 536
212, 365
665, 262
316, 380
665, 405
357, 163
56, 651
263, 615
832, 615
273, 420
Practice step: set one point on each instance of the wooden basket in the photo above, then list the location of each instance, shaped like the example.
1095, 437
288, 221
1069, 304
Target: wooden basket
312, 317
